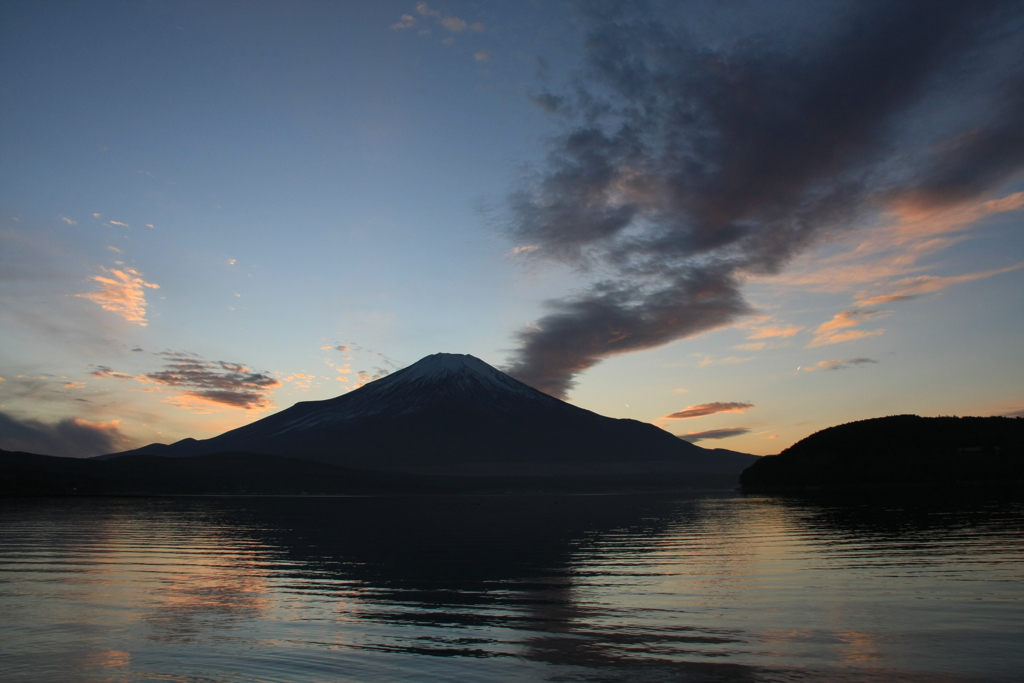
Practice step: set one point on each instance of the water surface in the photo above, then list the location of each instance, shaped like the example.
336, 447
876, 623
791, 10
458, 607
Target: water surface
716, 587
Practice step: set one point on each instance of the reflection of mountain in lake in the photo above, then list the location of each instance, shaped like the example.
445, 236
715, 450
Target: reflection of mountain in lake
449, 565
492, 588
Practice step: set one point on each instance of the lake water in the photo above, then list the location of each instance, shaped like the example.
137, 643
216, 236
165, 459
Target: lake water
701, 587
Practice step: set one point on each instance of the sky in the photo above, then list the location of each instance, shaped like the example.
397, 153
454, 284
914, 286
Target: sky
742, 222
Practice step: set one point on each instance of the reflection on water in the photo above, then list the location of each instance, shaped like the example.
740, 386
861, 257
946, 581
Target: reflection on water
609, 588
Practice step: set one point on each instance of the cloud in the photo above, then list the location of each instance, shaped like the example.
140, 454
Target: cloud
68, 220
105, 372
913, 287
365, 377
709, 409
692, 161
123, 293
728, 360
123, 225
407, 21
451, 23
839, 328
774, 332
1015, 413
482, 56
836, 364
224, 383
454, 24
425, 10
754, 346
203, 382
70, 437
724, 433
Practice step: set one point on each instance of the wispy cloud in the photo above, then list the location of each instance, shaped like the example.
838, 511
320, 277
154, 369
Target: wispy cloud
454, 24
425, 20
709, 409
836, 364
840, 328
908, 233
202, 382
724, 433
774, 332
689, 164
70, 437
914, 287
406, 21
707, 360
68, 220
122, 291
224, 383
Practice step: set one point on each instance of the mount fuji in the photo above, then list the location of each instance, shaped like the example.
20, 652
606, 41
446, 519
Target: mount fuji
455, 414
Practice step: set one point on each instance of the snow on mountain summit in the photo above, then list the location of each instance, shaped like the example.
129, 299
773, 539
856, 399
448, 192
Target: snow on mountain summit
435, 380
442, 376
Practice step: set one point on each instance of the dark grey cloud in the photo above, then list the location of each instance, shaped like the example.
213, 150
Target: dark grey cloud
723, 433
231, 384
710, 409
694, 157
69, 437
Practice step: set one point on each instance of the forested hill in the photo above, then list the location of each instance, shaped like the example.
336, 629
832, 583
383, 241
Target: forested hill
897, 450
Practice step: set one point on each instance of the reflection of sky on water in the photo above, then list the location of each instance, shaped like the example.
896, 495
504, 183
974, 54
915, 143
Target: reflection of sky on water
465, 588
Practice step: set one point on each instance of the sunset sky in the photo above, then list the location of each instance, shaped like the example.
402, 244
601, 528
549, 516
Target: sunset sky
742, 222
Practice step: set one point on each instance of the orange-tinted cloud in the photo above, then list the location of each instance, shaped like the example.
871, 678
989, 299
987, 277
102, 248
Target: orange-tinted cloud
913, 287
123, 293
840, 327
709, 409
774, 331
728, 360
910, 231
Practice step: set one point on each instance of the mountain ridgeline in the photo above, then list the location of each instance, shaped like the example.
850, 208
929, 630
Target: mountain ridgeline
899, 450
454, 415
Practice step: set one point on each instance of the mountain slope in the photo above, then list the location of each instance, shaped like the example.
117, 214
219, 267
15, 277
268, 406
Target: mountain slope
897, 450
451, 413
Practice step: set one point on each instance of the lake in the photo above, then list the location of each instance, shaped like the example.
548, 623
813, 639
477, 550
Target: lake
657, 587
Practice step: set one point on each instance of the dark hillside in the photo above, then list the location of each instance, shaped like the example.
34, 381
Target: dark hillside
897, 450
29, 474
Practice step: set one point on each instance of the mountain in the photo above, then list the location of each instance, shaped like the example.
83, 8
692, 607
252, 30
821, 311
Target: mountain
897, 450
454, 414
